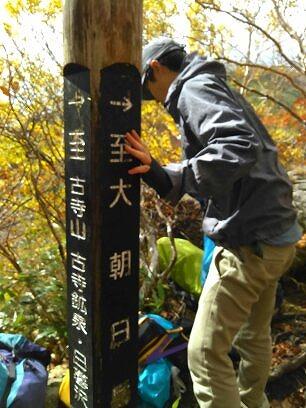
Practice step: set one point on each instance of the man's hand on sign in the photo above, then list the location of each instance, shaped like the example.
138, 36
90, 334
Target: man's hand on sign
139, 150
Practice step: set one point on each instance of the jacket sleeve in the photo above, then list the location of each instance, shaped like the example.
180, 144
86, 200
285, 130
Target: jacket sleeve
230, 146
168, 181
158, 179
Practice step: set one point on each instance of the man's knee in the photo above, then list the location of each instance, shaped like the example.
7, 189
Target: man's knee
204, 353
194, 355
199, 349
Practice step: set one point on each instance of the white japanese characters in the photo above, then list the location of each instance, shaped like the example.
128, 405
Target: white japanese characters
78, 230
78, 262
120, 265
77, 186
83, 260
118, 153
78, 302
77, 144
79, 281
78, 299
120, 187
80, 376
120, 333
79, 322
78, 206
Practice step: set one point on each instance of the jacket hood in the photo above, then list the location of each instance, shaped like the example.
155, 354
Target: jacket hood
194, 65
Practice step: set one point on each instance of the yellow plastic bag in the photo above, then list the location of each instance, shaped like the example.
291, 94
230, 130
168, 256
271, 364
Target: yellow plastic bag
186, 271
64, 391
176, 403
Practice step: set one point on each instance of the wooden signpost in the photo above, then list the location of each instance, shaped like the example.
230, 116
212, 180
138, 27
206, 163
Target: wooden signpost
102, 102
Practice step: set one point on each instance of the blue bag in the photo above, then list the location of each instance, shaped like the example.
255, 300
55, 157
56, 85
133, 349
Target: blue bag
23, 374
209, 247
154, 384
154, 379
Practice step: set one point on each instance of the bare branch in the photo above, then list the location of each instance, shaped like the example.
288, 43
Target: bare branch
271, 98
289, 30
264, 68
247, 21
165, 274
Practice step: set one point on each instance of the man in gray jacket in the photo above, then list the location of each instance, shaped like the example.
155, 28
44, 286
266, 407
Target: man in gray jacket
230, 163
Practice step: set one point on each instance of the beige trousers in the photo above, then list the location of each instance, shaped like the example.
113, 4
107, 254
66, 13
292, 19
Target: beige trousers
235, 307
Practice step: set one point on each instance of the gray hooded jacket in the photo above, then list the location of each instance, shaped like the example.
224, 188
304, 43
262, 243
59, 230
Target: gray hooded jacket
230, 161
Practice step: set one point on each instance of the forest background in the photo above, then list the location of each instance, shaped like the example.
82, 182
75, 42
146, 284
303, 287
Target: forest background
262, 45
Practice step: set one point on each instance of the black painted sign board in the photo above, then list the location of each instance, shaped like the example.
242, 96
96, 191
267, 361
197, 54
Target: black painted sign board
102, 216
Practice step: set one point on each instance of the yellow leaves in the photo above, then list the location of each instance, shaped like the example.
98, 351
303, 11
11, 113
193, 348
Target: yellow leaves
6, 93
4, 90
4, 97
14, 7
8, 28
160, 133
7, 297
155, 18
55, 6
288, 135
300, 107
48, 7
15, 86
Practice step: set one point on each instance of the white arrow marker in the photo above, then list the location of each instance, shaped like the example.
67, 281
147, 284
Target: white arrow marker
78, 100
126, 104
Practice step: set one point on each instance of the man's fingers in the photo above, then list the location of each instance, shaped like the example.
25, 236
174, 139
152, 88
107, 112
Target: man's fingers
142, 156
139, 169
134, 141
137, 149
137, 154
135, 134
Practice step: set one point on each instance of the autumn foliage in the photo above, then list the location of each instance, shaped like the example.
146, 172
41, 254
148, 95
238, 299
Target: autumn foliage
32, 202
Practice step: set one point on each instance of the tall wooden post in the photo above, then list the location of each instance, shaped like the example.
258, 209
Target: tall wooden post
102, 41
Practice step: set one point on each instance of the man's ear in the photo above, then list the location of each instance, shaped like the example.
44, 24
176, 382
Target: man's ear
155, 65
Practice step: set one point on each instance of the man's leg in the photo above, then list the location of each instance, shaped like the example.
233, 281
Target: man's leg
253, 341
231, 289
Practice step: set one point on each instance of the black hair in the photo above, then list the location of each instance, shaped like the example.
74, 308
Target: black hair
172, 60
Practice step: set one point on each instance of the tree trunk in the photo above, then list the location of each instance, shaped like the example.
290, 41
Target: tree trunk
98, 33
102, 42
